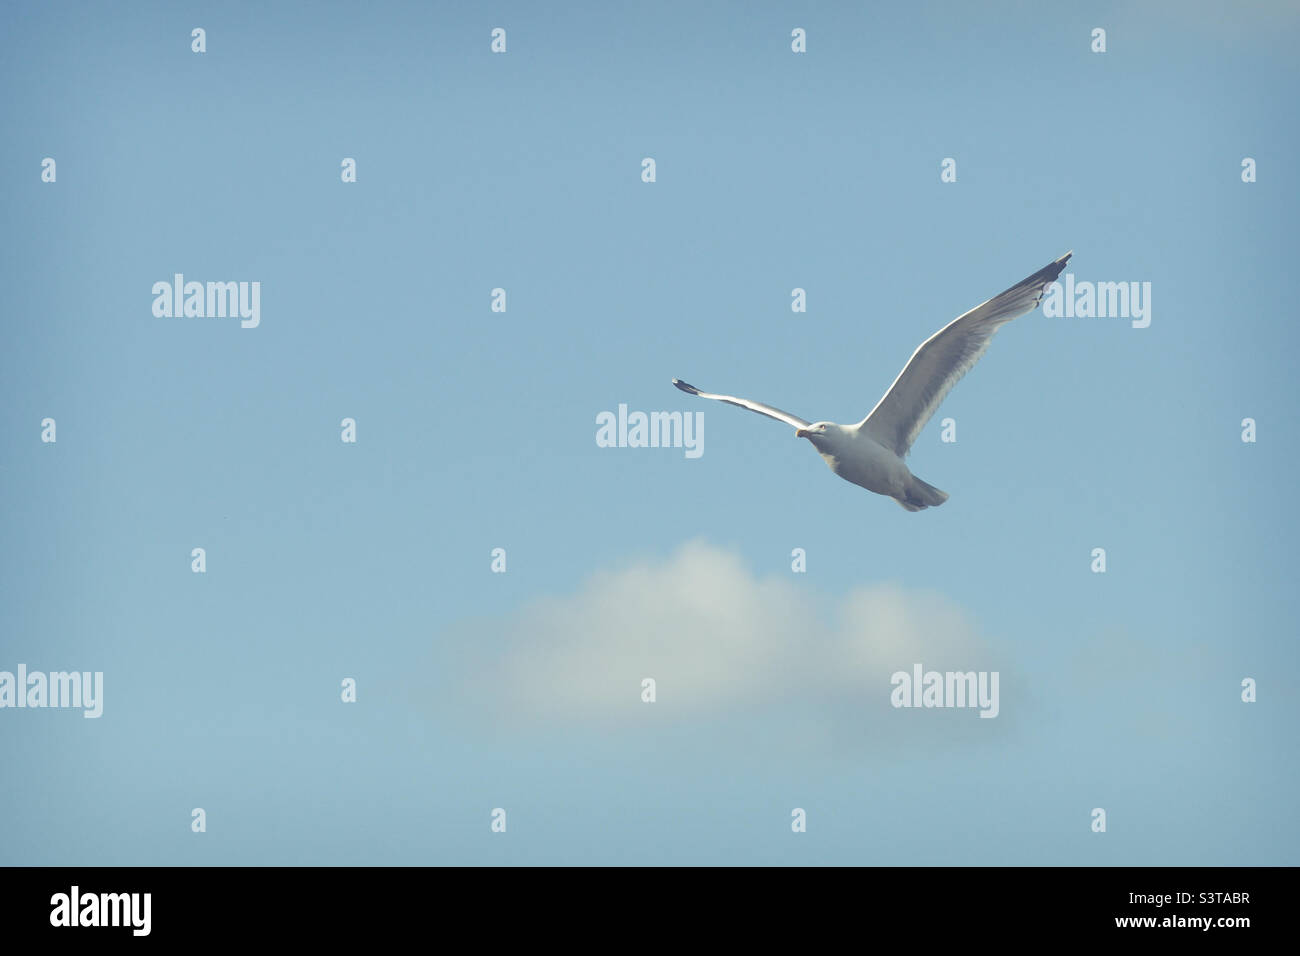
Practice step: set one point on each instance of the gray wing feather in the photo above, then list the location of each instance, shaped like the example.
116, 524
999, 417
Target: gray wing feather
759, 407
945, 357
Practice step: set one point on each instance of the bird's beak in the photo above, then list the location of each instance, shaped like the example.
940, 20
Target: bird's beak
802, 433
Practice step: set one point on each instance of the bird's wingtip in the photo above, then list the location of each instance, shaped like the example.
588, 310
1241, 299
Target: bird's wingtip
686, 388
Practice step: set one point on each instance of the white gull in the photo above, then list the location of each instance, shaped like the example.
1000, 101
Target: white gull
871, 452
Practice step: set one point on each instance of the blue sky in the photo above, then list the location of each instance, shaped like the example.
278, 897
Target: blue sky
476, 430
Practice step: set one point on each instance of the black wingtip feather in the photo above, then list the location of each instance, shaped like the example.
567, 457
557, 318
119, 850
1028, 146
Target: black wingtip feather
1049, 274
689, 389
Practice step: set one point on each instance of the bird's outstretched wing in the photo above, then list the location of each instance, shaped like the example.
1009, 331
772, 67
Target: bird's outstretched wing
945, 357
759, 407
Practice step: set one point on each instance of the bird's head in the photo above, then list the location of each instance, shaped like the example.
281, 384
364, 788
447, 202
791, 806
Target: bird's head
815, 432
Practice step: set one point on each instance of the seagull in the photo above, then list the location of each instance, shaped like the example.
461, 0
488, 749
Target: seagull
871, 453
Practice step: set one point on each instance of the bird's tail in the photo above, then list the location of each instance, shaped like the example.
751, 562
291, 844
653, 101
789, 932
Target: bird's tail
922, 495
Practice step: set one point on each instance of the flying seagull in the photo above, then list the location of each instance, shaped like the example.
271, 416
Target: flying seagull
871, 452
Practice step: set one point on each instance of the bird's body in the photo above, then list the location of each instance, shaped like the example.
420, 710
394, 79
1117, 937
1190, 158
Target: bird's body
859, 458
870, 453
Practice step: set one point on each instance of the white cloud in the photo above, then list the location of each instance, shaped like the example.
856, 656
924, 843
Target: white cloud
718, 641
